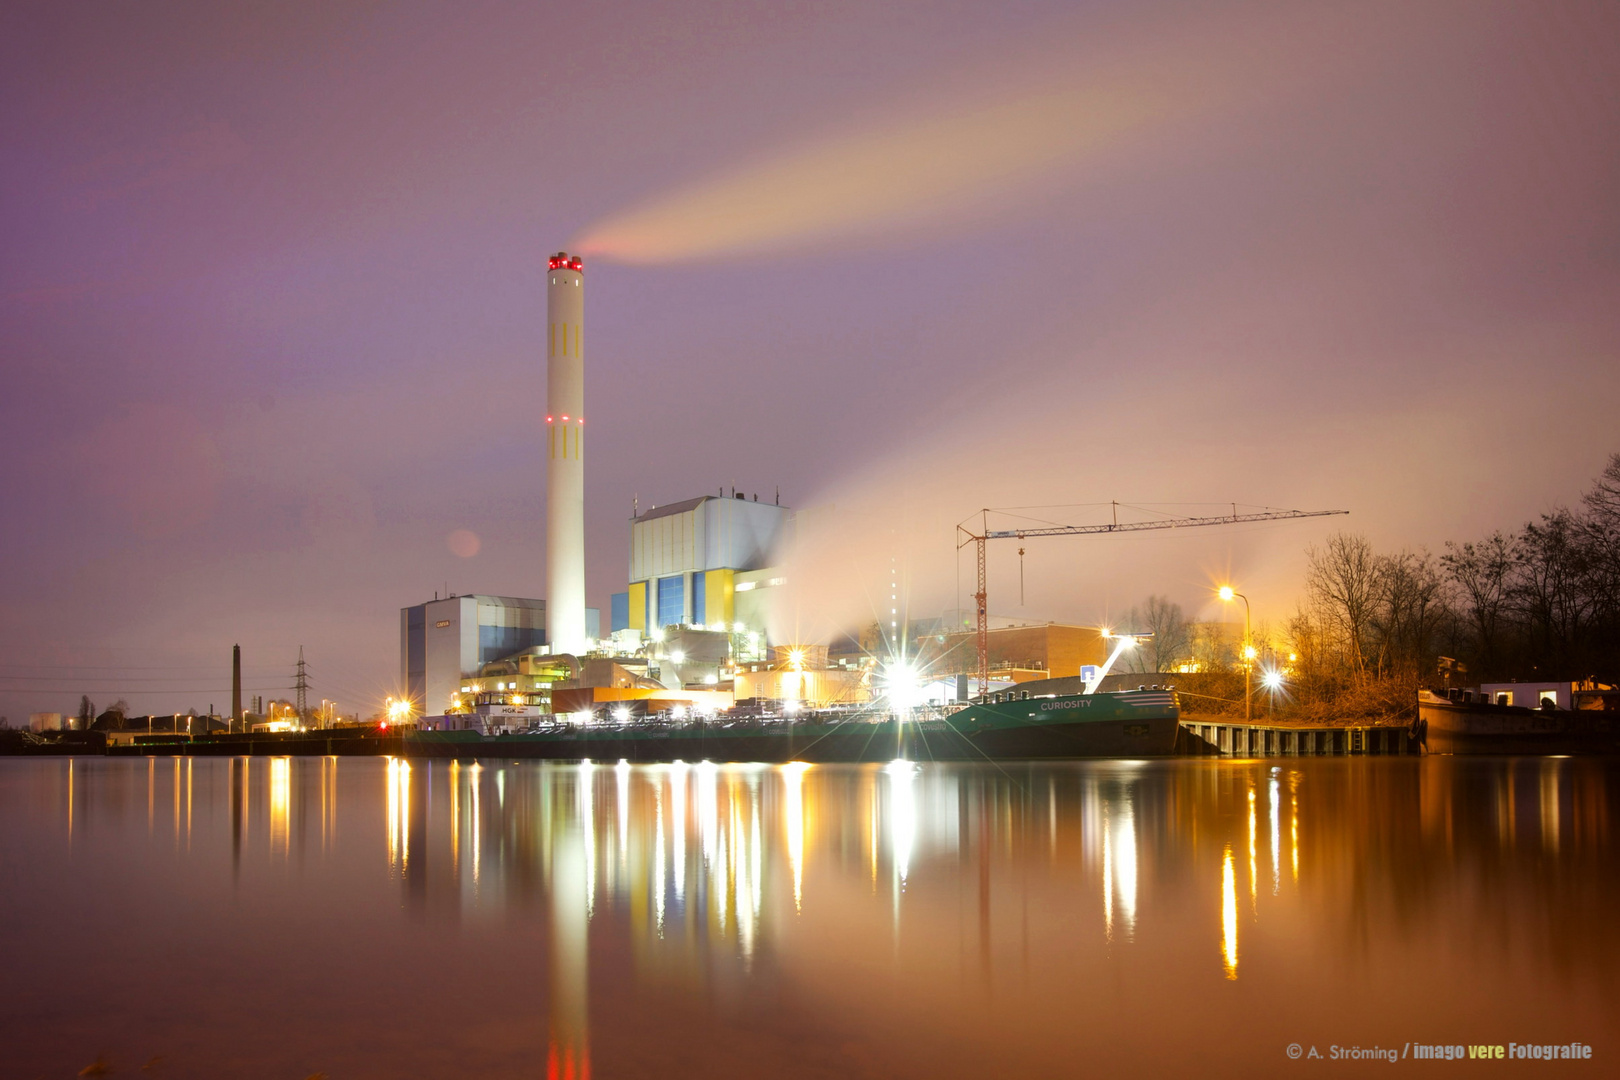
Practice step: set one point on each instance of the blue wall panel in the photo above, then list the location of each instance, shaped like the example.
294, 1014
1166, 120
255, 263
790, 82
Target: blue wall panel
495, 642
671, 599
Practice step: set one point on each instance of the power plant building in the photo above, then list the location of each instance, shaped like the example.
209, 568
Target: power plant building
443, 642
704, 566
689, 559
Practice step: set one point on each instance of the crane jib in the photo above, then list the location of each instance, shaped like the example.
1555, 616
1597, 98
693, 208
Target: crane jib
1140, 526
978, 540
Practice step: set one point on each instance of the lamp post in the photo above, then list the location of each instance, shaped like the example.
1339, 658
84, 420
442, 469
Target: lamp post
1228, 594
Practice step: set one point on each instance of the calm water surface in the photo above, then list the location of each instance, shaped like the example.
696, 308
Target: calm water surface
372, 918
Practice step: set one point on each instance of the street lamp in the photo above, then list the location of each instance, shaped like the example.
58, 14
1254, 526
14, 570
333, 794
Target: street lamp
1229, 594
1272, 680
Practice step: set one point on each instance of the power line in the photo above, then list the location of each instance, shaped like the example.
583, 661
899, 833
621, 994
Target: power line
92, 678
115, 669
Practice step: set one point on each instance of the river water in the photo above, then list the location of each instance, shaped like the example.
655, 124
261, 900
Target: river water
275, 917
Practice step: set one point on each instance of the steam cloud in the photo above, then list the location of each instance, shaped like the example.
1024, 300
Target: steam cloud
914, 167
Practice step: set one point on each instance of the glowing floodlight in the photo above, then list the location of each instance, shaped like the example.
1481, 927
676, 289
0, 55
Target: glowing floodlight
622, 713
903, 685
1121, 643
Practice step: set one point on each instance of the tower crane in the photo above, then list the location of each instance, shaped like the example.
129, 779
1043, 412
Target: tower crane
966, 536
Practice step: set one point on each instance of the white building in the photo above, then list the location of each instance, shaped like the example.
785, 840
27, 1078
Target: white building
687, 559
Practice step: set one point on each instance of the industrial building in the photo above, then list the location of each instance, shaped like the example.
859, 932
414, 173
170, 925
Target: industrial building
1022, 653
443, 642
690, 561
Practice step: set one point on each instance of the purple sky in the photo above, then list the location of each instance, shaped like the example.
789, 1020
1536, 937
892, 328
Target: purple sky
271, 300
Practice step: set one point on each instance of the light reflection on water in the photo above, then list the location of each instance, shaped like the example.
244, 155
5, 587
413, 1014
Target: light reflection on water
909, 918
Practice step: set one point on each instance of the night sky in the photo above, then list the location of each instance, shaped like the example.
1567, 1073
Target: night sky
272, 306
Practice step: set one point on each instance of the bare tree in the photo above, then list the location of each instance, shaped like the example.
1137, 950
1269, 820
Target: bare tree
1211, 647
1600, 536
87, 712
1172, 636
1411, 611
1483, 572
1550, 589
1343, 582
112, 718
1603, 501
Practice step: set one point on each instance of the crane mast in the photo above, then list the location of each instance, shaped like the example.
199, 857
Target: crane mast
966, 536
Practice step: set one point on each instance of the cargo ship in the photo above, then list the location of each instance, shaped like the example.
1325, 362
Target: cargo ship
1009, 726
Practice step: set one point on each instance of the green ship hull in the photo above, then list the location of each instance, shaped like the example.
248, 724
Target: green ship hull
1131, 724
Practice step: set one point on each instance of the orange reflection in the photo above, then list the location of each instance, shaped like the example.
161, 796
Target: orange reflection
1229, 926
793, 820
398, 811
1275, 806
477, 825
660, 884
1550, 774
455, 813
329, 801
1293, 831
1120, 867
1253, 873
568, 1052
280, 770
177, 770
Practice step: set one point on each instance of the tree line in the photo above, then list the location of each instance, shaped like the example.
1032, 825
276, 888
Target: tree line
1538, 603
